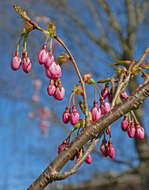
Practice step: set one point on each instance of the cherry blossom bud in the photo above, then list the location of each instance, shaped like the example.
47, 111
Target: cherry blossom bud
49, 60
60, 92
26, 63
110, 97
131, 130
78, 155
108, 130
105, 91
37, 84
54, 71
88, 159
95, 111
43, 55
74, 116
62, 147
16, 61
124, 95
111, 149
139, 132
125, 123
104, 148
104, 106
51, 88
66, 115
35, 98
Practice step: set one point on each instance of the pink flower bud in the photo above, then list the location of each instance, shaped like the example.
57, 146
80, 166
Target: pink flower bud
26, 63
124, 95
49, 60
66, 115
43, 55
51, 88
54, 71
104, 148
62, 147
95, 111
139, 132
108, 130
88, 159
78, 158
59, 93
37, 84
111, 150
35, 98
74, 116
131, 130
105, 91
16, 61
125, 123
105, 107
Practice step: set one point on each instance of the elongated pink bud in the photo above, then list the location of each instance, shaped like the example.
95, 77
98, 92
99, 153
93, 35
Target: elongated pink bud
125, 123
74, 116
62, 147
88, 159
104, 106
124, 95
139, 132
26, 63
16, 61
54, 71
111, 149
95, 111
43, 55
66, 115
51, 88
131, 130
49, 60
105, 91
59, 93
110, 97
104, 148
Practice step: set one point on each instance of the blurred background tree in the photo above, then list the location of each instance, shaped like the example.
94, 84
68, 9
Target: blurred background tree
97, 33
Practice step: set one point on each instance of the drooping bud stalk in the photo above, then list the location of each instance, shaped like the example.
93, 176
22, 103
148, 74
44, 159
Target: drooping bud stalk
16, 61
49, 60
62, 147
54, 71
125, 123
111, 149
139, 131
74, 116
105, 91
26, 63
60, 92
104, 148
124, 95
104, 106
66, 115
108, 130
51, 88
95, 111
131, 130
43, 55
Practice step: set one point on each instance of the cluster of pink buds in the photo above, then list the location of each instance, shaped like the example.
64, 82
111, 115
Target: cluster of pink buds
66, 144
53, 72
56, 89
107, 149
73, 116
132, 128
16, 62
